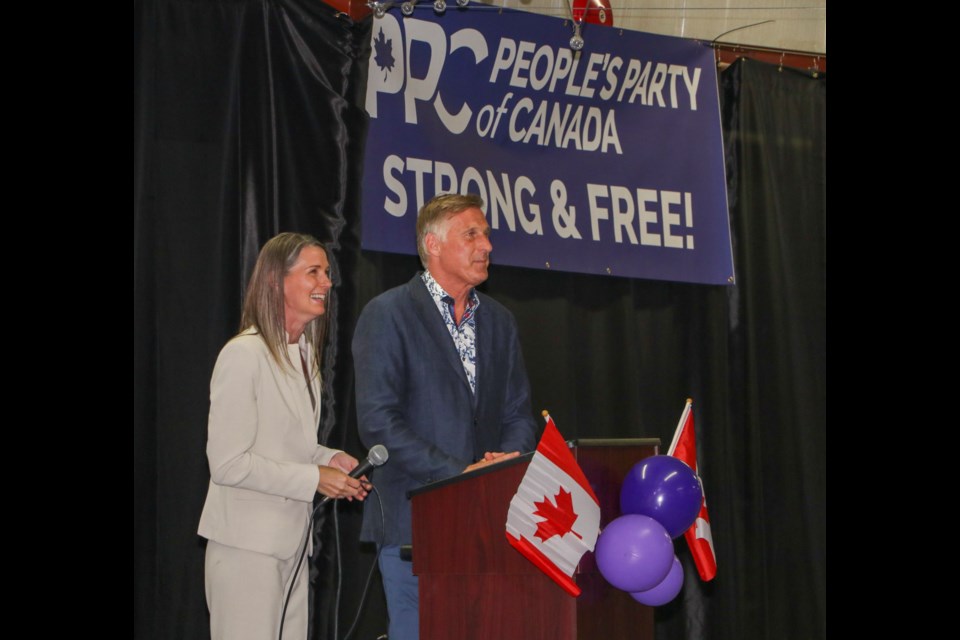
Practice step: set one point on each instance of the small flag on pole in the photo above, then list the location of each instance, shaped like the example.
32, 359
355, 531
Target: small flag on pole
554, 518
698, 536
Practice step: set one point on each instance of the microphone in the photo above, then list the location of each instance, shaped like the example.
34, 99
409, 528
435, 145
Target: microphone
376, 457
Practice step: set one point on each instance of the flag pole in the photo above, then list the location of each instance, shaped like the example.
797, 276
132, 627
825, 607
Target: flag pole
676, 432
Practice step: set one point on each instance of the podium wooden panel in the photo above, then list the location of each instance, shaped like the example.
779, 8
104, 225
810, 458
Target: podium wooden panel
473, 584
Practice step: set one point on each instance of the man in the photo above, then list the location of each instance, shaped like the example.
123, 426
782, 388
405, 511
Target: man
440, 382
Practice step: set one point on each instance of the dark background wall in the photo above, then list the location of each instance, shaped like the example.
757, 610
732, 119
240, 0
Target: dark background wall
247, 123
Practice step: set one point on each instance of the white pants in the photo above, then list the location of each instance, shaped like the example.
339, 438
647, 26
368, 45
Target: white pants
246, 591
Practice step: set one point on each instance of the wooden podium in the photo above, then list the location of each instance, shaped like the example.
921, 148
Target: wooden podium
473, 584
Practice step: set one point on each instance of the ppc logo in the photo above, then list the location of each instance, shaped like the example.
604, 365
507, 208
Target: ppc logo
390, 68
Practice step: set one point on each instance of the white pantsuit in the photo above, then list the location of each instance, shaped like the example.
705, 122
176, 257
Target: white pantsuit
263, 454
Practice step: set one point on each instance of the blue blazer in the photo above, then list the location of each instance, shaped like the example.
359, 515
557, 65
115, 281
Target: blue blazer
413, 397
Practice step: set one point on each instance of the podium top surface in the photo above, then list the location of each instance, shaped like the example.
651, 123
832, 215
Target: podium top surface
525, 458
614, 442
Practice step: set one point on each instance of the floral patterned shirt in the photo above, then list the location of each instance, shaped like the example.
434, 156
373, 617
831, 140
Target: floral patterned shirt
465, 335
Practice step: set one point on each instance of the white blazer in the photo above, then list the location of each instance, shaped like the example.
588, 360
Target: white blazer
262, 449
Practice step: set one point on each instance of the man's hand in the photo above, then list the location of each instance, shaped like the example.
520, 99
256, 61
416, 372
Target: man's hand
491, 457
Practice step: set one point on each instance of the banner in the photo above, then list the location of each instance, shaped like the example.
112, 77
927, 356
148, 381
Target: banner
607, 160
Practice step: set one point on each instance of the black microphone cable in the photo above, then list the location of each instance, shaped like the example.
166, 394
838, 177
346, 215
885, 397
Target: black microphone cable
296, 572
366, 586
375, 457
336, 550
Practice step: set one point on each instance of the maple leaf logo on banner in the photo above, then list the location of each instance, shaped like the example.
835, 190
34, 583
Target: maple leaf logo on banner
384, 54
542, 529
559, 518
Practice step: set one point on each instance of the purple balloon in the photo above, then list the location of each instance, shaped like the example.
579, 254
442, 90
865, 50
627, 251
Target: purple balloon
665, 489
664, 592
634, 553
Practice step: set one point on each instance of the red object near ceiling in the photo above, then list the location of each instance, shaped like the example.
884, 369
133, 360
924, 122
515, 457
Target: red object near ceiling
593, 11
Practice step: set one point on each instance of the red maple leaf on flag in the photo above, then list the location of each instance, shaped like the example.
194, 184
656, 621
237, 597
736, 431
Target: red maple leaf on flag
559, 518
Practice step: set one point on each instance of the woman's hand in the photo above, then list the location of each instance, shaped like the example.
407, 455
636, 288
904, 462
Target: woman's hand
335, 483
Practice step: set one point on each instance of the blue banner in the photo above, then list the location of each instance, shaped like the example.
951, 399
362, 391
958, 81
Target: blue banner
608, 160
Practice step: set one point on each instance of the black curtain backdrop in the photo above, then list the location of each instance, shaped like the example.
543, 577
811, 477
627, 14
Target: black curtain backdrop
249, 121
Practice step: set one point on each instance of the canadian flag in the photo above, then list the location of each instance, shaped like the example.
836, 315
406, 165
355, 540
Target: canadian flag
698, 536
554, 518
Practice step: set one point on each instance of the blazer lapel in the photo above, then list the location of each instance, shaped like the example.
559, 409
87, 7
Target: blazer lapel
484, 352
435, 327
293, 396
309, 416
293, 388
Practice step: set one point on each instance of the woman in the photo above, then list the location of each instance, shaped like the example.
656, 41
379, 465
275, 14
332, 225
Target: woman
265, 463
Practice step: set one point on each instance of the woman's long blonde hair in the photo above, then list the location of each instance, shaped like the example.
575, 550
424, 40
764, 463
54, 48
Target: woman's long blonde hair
263, 305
